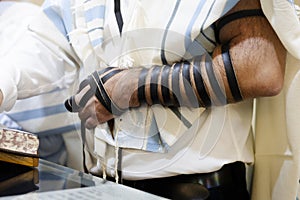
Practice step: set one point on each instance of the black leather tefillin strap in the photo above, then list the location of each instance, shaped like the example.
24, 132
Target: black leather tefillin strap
219, 92
178, 85
234, 16
230, 73
96, 88
199, 82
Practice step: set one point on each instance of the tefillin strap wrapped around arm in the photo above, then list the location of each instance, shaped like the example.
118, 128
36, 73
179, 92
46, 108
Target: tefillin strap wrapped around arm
194, 83
235, 16
184, 83
190, 83
181, 84
94, 85
230, 73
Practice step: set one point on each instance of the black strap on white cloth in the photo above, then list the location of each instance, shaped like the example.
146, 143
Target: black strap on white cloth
118, 15
83, 138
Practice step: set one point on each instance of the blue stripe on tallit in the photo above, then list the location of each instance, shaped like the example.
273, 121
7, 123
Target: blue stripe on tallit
188, 32
207, 37
97, 42
163, 56
228, 6
92, 14
154, 142
97, 12
60, 130
195, 48
38, 113
59, 12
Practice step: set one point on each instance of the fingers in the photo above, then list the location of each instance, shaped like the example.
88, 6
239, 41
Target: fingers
88, 115
80, 99
91, 123
92, 102
93, 113
88, 110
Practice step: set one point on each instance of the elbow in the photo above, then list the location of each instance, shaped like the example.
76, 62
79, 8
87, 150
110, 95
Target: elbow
271, 85
274, 87
273, 74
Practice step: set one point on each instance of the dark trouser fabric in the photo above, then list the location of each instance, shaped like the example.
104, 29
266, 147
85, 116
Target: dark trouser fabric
228, 183
236, 190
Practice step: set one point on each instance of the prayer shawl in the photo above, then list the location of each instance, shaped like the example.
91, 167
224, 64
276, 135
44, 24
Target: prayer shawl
276, 174
34, 114
149, 128
277, 135
153, 36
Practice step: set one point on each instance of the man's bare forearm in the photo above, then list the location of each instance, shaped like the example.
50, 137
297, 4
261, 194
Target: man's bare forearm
257, 60
248, 62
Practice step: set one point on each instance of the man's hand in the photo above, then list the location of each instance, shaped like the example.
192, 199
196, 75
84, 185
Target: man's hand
102, 96
94, 113
257, 58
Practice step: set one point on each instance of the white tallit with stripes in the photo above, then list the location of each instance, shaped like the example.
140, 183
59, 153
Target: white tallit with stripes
155, 32
44, 114
174, 30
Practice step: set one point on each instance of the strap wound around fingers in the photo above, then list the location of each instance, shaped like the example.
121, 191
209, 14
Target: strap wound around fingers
99, 92
71, 105
104, 98
97, 89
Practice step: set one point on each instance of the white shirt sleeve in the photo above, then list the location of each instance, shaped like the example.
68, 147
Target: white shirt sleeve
37, 62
